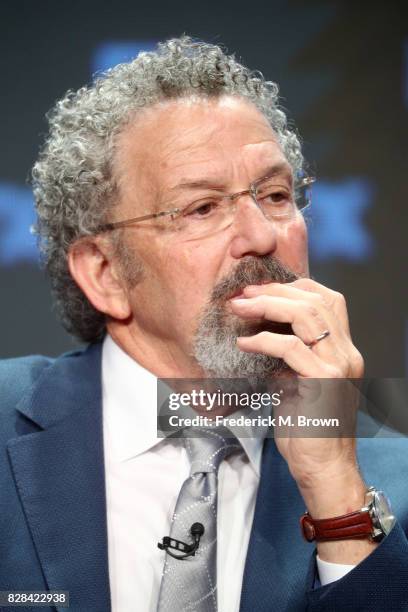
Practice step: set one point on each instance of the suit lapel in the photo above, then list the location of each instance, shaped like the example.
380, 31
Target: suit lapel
278, 558
59, 474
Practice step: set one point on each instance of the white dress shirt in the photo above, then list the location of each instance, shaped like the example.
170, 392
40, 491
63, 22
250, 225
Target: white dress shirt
144, 475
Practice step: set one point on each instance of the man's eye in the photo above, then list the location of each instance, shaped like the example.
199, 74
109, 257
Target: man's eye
202, 209
278, 196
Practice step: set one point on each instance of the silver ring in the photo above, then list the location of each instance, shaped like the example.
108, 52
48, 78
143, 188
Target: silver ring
321, 337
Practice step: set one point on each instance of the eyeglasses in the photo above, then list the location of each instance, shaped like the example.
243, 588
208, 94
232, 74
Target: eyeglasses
277, 200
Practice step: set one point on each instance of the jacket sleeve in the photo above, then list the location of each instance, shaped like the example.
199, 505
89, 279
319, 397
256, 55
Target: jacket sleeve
377, 584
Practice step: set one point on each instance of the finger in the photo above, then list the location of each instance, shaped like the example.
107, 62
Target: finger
331, 302
305, 318
292, 350
333, 306
335, 301
278, 289
290, 291
306, 288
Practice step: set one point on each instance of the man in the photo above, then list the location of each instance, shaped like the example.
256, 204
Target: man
166, 200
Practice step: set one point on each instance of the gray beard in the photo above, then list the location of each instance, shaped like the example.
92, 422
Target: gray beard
215, 347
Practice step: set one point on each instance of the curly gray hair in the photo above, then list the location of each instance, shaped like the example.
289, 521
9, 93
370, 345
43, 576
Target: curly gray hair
73, 181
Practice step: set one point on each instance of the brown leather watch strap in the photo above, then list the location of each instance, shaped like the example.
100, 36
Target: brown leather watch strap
354, 525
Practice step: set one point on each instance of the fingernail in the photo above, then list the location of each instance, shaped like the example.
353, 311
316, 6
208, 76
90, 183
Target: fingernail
239, 301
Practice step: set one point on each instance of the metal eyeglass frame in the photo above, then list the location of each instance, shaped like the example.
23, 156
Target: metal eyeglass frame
252, 191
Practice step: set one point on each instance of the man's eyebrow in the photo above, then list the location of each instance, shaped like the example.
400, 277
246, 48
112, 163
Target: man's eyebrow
216, 184
283, 168
209, 183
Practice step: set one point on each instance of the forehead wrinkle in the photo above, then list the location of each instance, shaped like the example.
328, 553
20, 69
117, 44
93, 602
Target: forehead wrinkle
206, 178
192, 139
209, 157
176, 148
209, 176
166, 143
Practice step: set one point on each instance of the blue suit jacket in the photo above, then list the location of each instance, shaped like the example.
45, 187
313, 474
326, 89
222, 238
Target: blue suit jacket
53, 533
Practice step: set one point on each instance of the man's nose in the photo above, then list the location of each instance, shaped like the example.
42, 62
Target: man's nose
254, 234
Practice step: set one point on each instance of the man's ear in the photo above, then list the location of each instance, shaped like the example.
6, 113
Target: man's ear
95, 270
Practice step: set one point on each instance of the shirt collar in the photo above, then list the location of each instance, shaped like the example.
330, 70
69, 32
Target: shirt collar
129, 403
130, 407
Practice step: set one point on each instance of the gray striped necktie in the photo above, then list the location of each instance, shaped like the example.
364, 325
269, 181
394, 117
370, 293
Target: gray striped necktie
191, 584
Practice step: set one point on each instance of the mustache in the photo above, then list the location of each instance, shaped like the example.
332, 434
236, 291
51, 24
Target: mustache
252, 271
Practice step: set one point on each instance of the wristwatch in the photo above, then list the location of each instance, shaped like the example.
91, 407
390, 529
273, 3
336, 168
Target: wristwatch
375, 520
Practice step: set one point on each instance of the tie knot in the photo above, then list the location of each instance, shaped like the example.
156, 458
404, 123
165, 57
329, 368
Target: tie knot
206, 448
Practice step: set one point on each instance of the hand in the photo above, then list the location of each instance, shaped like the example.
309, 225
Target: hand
325, 468
310, 308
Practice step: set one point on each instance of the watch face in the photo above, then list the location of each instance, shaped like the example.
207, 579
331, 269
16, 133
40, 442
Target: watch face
383, 512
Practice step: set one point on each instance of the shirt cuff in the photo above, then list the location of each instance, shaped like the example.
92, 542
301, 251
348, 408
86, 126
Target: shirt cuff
330, 572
